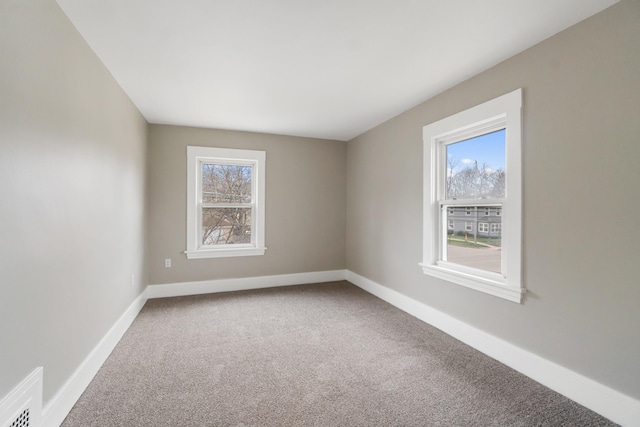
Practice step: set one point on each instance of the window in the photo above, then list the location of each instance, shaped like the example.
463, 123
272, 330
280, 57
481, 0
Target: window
450, 224
472, 161
225, 202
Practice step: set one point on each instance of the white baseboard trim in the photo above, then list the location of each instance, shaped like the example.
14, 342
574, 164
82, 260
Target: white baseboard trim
604, 400
241, 284
59, 406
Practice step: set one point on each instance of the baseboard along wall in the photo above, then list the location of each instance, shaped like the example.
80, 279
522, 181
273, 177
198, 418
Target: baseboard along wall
241, 284
58, 407
610, 403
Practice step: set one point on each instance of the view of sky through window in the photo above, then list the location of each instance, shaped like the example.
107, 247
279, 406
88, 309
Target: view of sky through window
486, 149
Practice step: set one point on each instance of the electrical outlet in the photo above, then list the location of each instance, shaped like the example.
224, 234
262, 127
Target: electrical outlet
167, 263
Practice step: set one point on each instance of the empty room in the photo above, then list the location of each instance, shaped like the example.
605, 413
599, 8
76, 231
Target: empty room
339, 213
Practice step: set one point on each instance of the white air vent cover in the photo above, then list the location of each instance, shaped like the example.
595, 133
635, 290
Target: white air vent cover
22, 420
23, 406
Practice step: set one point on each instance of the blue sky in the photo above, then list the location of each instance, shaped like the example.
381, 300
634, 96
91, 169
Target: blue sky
488, 148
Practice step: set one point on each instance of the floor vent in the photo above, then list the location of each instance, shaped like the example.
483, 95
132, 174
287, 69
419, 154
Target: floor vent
22, 420
23, 406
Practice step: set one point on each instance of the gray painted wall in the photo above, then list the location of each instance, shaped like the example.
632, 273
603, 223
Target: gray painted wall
581, 172
305, 205
72, 182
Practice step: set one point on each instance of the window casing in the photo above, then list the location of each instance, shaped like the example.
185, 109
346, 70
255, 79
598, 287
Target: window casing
503, 277
225, 202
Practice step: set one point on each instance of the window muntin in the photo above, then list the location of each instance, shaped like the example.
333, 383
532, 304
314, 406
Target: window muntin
225, 210
498, 117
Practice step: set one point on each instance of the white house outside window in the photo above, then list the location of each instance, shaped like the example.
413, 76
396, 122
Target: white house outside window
225, 202
472, 163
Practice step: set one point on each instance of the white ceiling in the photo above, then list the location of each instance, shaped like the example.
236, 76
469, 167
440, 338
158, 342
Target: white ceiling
321, 68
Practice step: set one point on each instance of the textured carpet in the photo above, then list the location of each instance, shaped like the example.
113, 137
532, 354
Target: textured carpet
312, 355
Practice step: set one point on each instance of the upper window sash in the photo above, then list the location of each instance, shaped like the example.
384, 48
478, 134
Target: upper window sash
200, 180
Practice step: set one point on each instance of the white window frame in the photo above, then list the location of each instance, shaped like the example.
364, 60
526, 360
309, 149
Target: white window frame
483, 227
195, 157
468, 226
504, 112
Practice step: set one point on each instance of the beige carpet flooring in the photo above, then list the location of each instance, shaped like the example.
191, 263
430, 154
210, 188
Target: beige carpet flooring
311, 355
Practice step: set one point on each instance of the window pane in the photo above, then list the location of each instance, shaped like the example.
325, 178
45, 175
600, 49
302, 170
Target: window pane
466, 246
475, 167
226, 183
226, 226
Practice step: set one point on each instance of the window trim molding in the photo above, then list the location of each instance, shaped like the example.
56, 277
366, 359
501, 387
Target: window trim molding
505, 109
196, 155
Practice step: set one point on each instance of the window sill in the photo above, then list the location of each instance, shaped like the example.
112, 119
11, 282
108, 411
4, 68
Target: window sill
225, 252
482, 284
